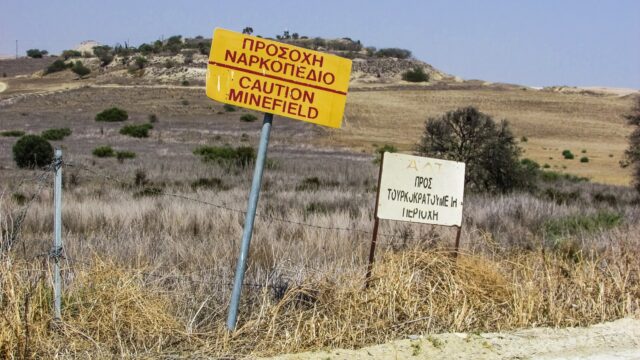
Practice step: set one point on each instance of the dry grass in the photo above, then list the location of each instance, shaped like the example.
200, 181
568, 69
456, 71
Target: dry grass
552, 122
149, 276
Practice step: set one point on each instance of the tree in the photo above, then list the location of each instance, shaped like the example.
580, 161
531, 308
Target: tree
489, 150
32, 151
36, 53
248, 30
633, 152
104, 53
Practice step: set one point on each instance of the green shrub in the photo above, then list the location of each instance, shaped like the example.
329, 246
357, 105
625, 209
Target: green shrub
248, 118
226, 155
524, 139
184, 102
112, 115
123, 155
229, 108
209, 183
576, 224
103, 152
417, 74
79, 69
12, 133
58, 65
394, 52
70, 53
32, 151
185, 83
56, 134
137, 131
584, 159
381, 150
36, 53
567, 154
546, 166
552, 176
140, 62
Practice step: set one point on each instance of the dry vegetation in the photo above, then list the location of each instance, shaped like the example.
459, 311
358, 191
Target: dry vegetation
151, 242
150, 275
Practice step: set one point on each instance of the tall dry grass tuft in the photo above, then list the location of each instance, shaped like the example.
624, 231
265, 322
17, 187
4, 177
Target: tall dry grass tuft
105, 311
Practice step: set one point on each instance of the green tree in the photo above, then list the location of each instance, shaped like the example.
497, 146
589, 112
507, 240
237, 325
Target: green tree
32, 151
248, 30
633, 152
36, 53
489, 150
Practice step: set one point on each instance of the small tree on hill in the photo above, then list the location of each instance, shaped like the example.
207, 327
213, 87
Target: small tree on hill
633, 152
248, 30
417, 74
488, 149
36, 53
32, 151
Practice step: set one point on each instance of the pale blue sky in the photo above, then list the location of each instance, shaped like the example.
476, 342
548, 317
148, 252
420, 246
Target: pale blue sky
534, 42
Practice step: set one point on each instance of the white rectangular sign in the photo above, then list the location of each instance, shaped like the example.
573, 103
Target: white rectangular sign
420, 189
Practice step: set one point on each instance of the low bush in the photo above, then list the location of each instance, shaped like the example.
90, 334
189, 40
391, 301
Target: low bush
226, 155
185, 83
32, 151
137, 131
148, 191
248, 118
524, 139
103, 152
123, 155
153, 118
561, 197
12, 133
229, 108
56, 66
567, 154
584, 159
36, 53
417, 74
552, 176
79, 69
19, 198
576, 224
311, 183
56, 134
393, 52
71, 53
209, 183
113, 114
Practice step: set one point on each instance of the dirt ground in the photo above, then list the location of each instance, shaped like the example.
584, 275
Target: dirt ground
613, 340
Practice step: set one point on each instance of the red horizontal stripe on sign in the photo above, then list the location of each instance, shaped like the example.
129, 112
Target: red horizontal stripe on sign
276, 77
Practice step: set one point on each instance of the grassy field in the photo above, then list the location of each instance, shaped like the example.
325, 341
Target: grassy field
551, 122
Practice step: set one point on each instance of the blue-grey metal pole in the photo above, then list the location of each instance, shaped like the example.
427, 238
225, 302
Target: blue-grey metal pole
241, 266
57, 238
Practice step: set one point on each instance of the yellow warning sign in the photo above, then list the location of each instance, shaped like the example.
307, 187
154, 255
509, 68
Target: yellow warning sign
277, 78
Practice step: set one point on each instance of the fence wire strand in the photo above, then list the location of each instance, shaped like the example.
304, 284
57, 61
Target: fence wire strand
223, 207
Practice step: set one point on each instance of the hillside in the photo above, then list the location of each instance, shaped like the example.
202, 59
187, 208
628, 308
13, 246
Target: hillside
381, 108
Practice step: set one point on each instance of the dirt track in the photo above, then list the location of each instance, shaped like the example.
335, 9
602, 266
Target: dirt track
614, 340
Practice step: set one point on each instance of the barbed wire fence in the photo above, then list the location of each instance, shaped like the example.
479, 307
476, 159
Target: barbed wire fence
43, 179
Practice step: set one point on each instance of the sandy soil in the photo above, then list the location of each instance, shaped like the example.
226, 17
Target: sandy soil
614, 340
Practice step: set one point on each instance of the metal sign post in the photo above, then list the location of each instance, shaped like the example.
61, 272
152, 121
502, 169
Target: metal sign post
241, 266
57, 238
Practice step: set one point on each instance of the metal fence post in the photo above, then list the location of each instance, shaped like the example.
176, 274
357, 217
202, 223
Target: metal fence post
57, 232
241, 266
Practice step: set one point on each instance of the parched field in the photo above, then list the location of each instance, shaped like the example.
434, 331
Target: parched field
150, 243
552, 122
